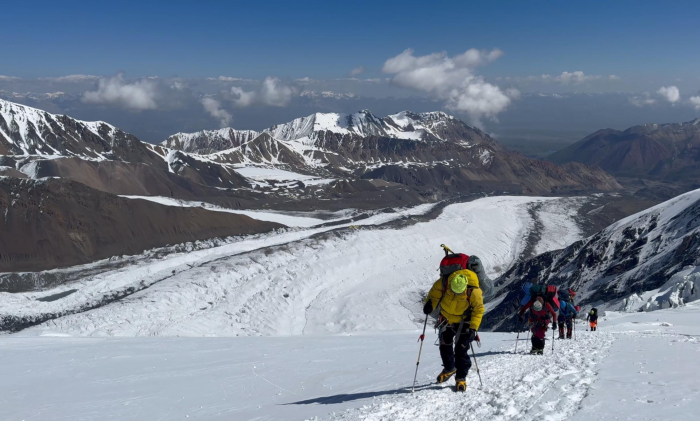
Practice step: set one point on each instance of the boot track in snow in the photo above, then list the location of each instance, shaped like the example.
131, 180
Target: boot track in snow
516, 387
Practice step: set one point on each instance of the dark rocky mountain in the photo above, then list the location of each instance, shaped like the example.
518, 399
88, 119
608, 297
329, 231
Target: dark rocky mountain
663, 152
53, 223
645, 261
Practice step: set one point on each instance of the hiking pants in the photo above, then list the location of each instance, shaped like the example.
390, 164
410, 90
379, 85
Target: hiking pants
455, 355
538, 335
562, 320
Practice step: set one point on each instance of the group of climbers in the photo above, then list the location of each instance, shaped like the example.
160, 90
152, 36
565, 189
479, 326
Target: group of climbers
458, 299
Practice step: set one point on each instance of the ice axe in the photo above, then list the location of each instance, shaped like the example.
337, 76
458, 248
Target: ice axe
420, 339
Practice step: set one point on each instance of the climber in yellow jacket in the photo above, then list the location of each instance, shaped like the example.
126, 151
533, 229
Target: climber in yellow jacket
461, 310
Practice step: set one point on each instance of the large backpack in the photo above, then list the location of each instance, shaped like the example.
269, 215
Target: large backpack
548, 292
453, 262
594, 311
567, 295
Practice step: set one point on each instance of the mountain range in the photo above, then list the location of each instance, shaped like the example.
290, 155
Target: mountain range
323, 161
668, 153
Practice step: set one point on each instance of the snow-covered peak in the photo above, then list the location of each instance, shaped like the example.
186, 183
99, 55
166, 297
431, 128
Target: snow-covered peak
403, 125
208, 141
30, 131
362, 123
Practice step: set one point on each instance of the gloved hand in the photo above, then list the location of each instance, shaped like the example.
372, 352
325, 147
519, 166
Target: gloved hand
471, 335
554, 326
520, 318
428, 307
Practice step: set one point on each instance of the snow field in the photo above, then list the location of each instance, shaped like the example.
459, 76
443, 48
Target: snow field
354, 281
279, 217
516, 386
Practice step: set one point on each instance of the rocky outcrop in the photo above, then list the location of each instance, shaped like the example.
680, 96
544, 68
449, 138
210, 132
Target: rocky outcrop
635, 255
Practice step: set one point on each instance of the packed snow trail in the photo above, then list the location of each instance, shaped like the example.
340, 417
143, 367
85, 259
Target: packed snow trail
520, 386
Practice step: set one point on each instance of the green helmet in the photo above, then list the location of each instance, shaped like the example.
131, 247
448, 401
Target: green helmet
592, 312
458, 284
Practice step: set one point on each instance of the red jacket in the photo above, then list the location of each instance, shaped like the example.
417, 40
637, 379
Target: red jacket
547, 307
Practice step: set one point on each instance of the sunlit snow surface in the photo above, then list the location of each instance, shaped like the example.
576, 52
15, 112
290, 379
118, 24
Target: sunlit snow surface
639, 366
351, 281
344, 309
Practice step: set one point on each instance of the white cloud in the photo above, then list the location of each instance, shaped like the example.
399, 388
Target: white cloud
242, 98
643, 100
71, 78
8, 78
229, 79
273, 92
452, 79
670, 93
138, 95
565, 78
213, 107
695, 102
357, 70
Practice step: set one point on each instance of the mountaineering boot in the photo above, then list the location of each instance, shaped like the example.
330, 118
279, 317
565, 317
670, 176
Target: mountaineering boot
537, 351
461, 385
561, 332
568, 334
445, 375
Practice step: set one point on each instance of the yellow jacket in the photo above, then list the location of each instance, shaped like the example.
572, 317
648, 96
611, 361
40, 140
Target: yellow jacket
453, 306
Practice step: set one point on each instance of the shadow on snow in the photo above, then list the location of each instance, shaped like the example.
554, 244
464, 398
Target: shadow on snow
347, 397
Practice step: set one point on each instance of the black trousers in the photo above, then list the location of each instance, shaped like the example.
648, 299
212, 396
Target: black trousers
455, 355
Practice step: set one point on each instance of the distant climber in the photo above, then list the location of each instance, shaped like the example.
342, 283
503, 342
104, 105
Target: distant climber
592, 319
541, 314
461, 306
567, 314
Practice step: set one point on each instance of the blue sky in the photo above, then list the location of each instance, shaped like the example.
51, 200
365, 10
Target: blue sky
638, 40
155, 68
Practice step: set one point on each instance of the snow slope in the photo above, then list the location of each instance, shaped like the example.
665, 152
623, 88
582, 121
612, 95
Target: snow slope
279, 217
636, 367
345, 281
646, 261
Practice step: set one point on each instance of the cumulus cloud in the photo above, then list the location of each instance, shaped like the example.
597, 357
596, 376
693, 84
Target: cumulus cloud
137, 95
695, 102
273, 92
642, 100
670, 93
242, 98
213, 107
357, 70
452, 79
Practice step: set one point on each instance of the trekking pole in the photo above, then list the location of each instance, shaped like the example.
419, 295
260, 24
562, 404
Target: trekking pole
422, 337
516, 341
553, 340
477, 366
